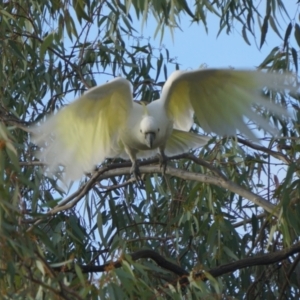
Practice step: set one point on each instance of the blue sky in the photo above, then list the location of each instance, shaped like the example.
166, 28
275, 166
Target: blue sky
193, 46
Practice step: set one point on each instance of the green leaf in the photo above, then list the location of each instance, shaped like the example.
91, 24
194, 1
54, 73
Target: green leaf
230, 253
264, 31
100, 229
269, 58
287, 35
46, 44
297, 33
15, 46
245, 35
274, 27
295, 58
79, 274
79, 9
7, 14
40, 266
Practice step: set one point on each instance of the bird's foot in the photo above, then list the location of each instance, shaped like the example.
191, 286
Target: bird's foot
163, 159
135, 171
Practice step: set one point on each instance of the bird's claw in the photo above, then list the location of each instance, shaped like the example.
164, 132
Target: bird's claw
135, 171
163, 162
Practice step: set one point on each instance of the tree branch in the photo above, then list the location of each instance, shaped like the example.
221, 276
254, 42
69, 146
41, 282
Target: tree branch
265, 259
275, 154
288, 275
260, 260
218, 181
159, 259
119, 169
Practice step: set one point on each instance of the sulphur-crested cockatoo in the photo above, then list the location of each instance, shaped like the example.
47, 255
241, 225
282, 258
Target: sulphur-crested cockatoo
105, 122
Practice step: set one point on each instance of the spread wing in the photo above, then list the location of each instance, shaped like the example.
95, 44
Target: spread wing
222, 100
85, 132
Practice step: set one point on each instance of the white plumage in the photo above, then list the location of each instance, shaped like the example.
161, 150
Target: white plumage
105, 122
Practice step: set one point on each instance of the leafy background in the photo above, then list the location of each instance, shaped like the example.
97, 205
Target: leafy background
224, 221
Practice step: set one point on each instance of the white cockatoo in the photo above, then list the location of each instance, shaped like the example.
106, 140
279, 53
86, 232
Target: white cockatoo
105, 122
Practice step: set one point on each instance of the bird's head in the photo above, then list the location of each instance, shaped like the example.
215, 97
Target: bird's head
149, 130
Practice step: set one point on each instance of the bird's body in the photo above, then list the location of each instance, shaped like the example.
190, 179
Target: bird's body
105, 122
153, 119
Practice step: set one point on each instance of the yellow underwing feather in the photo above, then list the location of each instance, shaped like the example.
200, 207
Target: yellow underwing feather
179, 108
222, 100
86, 131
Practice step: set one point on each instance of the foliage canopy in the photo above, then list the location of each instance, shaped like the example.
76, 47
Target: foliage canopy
203, 230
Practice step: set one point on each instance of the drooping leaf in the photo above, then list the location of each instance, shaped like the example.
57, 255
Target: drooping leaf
287, 35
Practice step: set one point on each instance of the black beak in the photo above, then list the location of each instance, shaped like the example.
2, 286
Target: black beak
149, 137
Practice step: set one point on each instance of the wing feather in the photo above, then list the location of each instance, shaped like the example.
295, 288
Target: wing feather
222, 100
183, 141
84, 133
